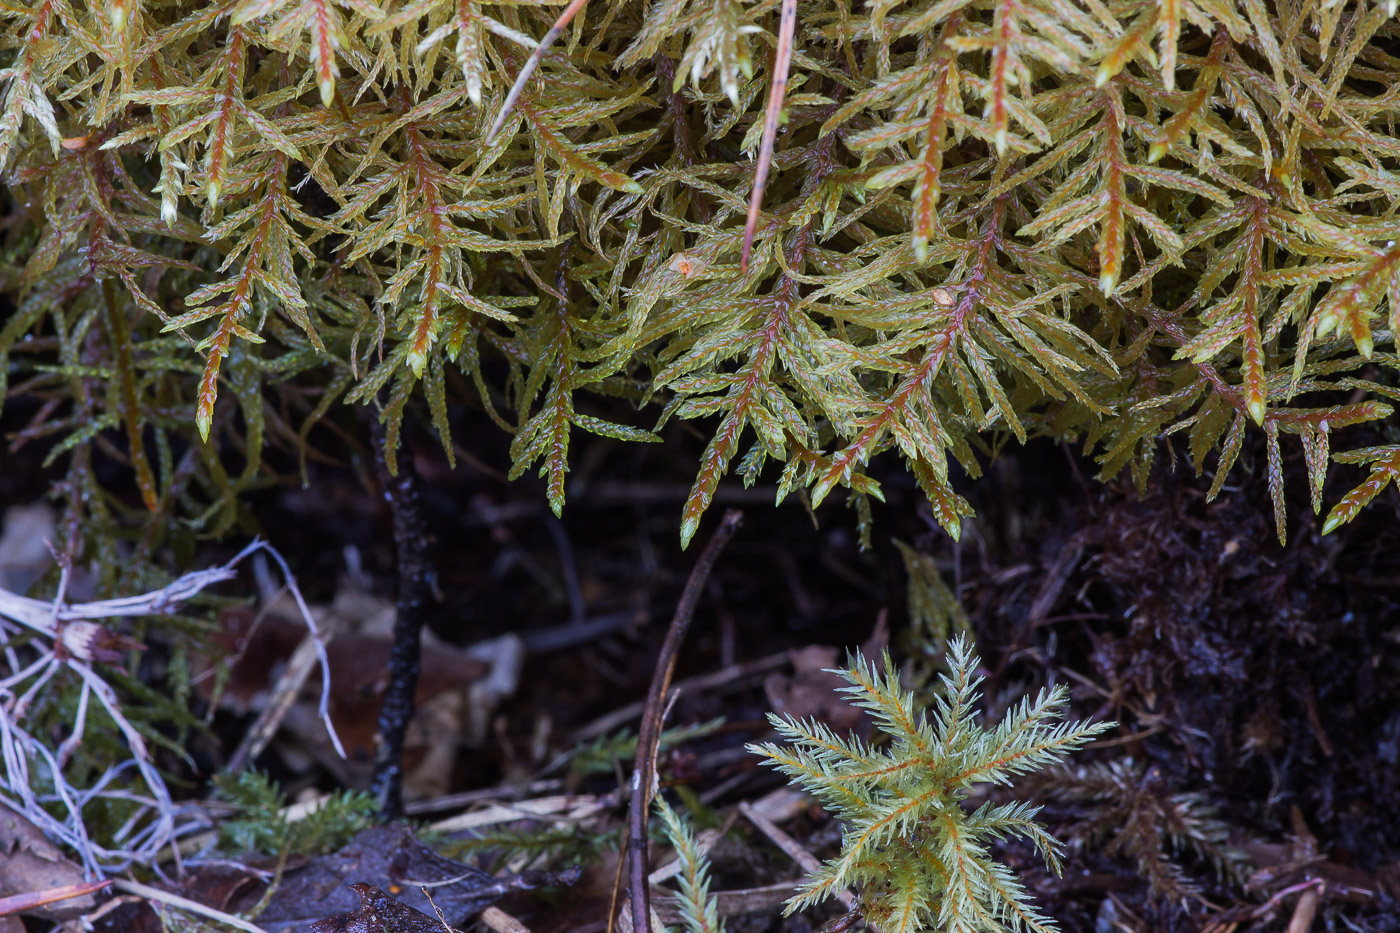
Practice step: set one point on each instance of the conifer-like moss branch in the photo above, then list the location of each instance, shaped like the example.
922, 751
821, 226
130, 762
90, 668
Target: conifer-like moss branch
920, 858
699, 911
1106, 222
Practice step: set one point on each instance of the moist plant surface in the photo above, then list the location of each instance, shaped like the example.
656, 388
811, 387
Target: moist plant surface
968, 219
1084, 310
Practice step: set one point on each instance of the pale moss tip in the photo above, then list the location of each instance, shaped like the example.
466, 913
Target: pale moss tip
1001, 142
688, 531
1334, 521
1156, 152
1101, 78
1327, 322
327, 93
1364, 345
203, 421
1257, 408
212, 192
1107, 283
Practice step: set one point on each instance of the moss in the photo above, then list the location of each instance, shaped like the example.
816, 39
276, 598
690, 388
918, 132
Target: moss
1103, 222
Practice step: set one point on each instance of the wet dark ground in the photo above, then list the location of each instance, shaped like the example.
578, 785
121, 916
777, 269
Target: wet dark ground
1257, 687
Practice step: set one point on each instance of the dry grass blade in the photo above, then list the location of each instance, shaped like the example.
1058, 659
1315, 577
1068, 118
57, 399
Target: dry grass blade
782, 64
175, 902
531, 64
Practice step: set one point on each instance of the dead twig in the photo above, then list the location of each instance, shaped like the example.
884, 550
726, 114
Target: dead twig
739, 675
649, 732
789, 845
768, 898
466, 798
782, 64
284, 695
563, 807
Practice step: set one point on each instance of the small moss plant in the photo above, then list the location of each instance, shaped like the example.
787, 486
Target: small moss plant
260, 822
919, 858
699, 910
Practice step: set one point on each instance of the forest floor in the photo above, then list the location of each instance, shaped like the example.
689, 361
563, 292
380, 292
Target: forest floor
1253, 782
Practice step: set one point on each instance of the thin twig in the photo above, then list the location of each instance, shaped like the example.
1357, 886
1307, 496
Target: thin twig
447, 927
531, 64
782, 64
733, 903
704, 842
466, 798
789, 845
1305, 910
649, 732
1313, 884
726, 677
185, 904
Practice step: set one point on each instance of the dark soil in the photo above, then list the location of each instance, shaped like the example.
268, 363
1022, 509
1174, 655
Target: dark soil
1257, 687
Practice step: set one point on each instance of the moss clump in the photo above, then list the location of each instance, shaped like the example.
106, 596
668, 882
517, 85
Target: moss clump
1106, 222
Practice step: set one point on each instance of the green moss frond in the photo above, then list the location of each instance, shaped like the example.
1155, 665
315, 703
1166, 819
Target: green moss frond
1106, 223
919, 857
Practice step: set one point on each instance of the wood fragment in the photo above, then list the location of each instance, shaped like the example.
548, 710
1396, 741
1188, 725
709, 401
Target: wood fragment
564, 806
502, 922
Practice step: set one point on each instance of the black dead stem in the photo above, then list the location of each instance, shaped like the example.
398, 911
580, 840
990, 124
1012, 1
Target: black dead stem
414, 591
649, 731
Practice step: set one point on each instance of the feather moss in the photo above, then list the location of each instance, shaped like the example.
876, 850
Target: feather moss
1107, 222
